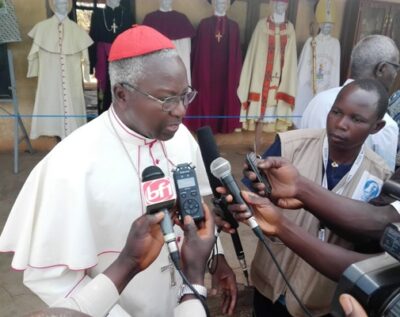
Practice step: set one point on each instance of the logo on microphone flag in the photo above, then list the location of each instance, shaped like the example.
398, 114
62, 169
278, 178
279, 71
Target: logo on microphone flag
158, 190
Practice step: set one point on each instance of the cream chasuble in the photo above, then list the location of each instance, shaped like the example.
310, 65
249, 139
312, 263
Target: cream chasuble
268, 80
56, 57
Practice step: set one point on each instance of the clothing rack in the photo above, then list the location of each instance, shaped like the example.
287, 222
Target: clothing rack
16, 116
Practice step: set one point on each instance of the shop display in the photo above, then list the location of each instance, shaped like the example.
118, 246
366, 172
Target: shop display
319, 64
217, 62
59, 49
176, 26
268, 79
106, 24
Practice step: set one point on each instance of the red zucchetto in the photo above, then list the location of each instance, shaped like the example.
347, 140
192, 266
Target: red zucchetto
136, 41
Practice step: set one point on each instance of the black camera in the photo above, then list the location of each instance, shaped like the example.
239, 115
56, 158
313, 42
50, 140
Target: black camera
375, 282
187, 192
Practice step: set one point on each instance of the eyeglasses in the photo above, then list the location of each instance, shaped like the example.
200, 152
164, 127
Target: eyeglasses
169, 103
395, 65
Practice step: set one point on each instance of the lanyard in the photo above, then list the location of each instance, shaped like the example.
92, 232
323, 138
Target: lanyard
350, 174
349, 177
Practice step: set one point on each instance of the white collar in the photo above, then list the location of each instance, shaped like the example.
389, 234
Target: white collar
60, 17
127, 134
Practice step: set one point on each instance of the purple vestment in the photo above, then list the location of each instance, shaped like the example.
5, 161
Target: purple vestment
172, 24
216, 67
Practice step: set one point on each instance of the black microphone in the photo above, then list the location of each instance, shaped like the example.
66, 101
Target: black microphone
209, 152
391, 188
159, 195
221, 169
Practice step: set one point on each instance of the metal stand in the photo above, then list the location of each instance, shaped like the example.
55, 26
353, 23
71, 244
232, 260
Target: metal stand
17, 117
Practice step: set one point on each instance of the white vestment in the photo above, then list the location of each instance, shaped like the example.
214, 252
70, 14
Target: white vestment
384, 143
327, 73
72, 216
56, 57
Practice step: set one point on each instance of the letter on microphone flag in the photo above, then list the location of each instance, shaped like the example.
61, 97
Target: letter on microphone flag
158, 190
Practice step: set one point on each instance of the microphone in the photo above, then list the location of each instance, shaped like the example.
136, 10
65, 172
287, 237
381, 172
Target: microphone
391, 188
209, 152
159, 195
221, 169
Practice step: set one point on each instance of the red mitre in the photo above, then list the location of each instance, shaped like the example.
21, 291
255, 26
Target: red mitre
136, 41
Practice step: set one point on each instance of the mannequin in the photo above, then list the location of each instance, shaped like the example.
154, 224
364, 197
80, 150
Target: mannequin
166, 5
319, 64
217, 59
58, 51
220, 7
113, 3
61, 9
279, 11
268, 79
176, 26
106, 25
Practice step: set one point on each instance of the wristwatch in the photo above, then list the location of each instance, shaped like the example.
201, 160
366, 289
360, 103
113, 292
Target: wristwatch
185, 290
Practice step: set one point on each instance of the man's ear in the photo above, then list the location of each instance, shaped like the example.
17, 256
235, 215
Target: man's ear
120, 95
379, 69
378, 126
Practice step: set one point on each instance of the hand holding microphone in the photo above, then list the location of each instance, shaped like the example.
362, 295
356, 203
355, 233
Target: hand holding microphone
159, 195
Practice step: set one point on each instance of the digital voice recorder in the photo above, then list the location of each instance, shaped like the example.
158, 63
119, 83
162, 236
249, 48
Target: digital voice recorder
187, 192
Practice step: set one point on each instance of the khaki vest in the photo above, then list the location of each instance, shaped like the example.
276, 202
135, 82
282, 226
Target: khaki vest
304, 149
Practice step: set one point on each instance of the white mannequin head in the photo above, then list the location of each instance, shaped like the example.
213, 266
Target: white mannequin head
61, 8
279, 7
166, 5
220, 7
326, 28
113, 3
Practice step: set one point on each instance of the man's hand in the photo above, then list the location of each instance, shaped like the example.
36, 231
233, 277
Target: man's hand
197, 246
267, 215
351, 306
285, 181
258, 187
142, 247
224, 283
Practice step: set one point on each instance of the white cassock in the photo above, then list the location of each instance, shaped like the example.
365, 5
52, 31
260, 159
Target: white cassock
327, 71
73, 214
58, 51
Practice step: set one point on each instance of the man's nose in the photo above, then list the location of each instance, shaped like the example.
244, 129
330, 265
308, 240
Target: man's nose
179, 110
343, 123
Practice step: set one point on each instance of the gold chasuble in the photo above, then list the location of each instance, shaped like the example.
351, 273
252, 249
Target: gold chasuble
268, 80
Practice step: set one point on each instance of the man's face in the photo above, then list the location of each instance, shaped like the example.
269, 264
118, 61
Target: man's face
162, 78
61, 7
352, 118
